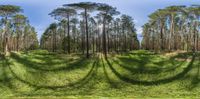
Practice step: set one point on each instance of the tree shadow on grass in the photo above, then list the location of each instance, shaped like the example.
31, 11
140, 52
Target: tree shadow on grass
142, 61
141, 53
140, 68
45, 58
4, 76
112, 83
78, 83
196, 78
6, 79
53, 59
161, 81
81, 63
182, 55
139, 65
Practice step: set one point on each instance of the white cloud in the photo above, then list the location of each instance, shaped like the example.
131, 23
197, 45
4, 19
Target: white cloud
135, 21
40, 30
139, 33
139, 30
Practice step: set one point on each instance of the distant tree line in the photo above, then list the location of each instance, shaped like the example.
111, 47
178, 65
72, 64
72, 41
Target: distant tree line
16, 34
89, 28
173, 28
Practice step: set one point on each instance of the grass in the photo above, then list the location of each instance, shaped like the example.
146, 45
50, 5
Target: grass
135, 74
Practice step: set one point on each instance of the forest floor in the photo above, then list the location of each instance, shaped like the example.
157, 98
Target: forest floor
140, 74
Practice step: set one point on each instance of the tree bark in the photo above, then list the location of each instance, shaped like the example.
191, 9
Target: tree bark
68, 35
104, 39
87, 41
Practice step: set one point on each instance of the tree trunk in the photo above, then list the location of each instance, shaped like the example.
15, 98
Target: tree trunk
87, 41
5, 38
171, 32
161, 36
104, 39
68, 35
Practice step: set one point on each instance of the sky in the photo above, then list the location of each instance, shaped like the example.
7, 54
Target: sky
37, 10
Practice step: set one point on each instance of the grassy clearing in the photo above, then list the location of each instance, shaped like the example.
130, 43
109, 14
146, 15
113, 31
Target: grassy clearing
135, 74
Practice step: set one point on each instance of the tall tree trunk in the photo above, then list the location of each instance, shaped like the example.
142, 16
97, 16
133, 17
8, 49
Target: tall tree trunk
5, 38
68, 35
74, 38
197, 45
64, 45
93, 41
171, 32
161, 36
87, 41
99, 41
104, 38
194, 37
108, 38
17, 40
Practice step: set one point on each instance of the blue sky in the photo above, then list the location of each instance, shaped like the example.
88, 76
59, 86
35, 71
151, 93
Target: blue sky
38, 10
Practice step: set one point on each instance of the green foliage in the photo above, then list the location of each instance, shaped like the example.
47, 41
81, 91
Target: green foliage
8, 10
140, 73
83, 5
62, 13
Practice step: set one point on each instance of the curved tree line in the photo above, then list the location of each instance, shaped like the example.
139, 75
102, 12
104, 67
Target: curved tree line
89, 28
16, 34
173, 28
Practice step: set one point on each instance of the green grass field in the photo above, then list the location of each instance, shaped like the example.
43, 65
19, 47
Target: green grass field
134, 74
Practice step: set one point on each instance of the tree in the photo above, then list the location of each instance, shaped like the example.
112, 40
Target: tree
53, 28
19, 23
127, 29
87, 7
61, 13
74, 22
7, 11
173, 28
194, 13
106, 11
172, 12
159, 17
92, 26
101, 32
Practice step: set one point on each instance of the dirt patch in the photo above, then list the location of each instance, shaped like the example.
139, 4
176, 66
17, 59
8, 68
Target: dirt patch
171, 54
182, 59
